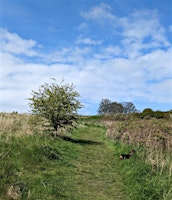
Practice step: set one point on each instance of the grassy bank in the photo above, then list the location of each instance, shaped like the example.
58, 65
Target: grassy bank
37, 166
83, 164
151, 172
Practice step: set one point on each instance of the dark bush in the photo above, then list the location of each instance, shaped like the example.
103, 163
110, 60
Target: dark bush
159, 114
147, 113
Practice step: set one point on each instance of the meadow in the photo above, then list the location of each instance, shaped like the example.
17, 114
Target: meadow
84, 163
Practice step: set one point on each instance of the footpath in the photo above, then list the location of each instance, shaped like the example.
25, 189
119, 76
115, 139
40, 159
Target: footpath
97, 166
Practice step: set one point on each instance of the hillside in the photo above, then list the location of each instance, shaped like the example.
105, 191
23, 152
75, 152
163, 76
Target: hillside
82, 164
41, 167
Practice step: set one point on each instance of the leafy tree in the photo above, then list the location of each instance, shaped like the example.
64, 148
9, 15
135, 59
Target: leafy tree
104, 106
128, 107
116, 107
108, 107
57, 103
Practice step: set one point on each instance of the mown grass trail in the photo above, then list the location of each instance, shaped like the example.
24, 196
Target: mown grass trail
96, 167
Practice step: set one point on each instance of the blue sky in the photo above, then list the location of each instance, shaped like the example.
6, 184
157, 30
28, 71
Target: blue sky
120, 50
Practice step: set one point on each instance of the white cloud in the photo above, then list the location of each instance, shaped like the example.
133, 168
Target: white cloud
108, 52
73, 55
142, 31
12, 43
83, 27
161, 92
88, 41
158, 64
100, 13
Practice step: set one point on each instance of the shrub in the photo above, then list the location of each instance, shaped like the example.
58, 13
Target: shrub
147, 113
57, 103
159, 114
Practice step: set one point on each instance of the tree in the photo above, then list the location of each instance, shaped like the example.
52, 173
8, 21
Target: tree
108, 107
57, 103
104, 106
128, 107
116, 107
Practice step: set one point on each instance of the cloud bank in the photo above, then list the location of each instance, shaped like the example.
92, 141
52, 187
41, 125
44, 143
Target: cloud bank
135, 65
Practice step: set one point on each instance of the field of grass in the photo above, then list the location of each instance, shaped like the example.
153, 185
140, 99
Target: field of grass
82, 164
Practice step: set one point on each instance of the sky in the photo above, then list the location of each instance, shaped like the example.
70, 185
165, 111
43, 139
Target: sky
120, 50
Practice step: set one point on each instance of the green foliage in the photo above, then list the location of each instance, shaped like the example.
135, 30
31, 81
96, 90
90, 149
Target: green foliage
116, 107
108, 107
147, 113
104, 106
128, 108
159, 114
57, 103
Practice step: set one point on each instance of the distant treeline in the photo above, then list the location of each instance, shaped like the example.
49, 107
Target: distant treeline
148, 113
106, 106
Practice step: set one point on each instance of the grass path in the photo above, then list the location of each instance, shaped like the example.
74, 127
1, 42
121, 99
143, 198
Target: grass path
96, 167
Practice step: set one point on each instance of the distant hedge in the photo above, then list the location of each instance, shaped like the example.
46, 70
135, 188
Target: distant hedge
149, 113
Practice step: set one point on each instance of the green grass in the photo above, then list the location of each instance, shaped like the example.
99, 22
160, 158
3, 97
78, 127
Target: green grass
81, 167
142, 181
83, 164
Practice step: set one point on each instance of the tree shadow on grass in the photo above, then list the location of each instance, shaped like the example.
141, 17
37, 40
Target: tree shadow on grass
80, 141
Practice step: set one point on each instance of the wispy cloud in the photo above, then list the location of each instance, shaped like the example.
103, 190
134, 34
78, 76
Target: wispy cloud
100, 13
83, 27
139, 31
88, 41
142, 31
12, 43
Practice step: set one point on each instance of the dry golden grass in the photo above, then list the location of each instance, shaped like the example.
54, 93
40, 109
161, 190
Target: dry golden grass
14, 124
153, 135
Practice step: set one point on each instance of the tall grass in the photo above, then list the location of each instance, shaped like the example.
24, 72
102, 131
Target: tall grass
14, 124
152, 139
142, 183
